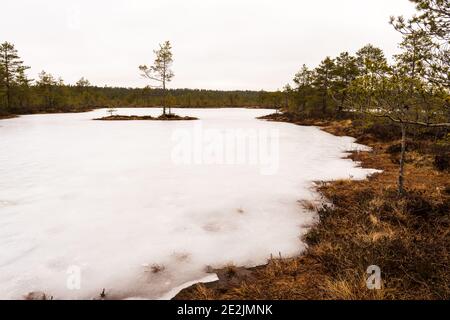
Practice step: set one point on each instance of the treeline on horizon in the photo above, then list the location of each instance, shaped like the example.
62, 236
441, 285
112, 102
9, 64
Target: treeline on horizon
49, 94
414, 88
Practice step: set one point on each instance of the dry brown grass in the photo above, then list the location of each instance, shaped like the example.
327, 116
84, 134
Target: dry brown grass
366, 223
7, 116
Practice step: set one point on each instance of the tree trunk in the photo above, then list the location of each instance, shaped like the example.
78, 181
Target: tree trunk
8, 87
401, 189
164, 97
8, 96
164, 87
324, 102
341, 104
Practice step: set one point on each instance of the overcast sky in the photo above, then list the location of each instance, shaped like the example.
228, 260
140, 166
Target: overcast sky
217, 44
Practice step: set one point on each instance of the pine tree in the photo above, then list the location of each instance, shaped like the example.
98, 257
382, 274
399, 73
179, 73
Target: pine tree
303, 80
47, 85
83, 86
371, 61
345, 71
324, 74
433, 21
23, 89
12, 71
160, 71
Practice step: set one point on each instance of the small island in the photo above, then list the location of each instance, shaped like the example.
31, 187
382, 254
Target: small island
168, 116
160, 72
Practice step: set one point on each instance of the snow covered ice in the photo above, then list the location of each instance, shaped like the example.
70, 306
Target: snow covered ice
87, 205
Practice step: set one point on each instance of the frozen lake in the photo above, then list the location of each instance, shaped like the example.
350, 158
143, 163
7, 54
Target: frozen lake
87, 205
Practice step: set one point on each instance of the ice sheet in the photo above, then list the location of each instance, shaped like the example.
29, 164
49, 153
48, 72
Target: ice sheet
87, 205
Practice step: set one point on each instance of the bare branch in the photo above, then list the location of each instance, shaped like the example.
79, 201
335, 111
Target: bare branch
419, 123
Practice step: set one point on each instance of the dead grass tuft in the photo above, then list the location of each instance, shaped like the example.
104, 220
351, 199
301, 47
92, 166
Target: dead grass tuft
157, 268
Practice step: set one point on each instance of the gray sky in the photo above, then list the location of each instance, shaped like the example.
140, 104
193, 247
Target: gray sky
217, 44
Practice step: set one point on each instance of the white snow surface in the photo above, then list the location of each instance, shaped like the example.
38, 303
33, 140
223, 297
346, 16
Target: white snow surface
104, 200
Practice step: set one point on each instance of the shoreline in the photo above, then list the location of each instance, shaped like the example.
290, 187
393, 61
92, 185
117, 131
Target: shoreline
364, 224
9, 116
14, 115
163, 117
